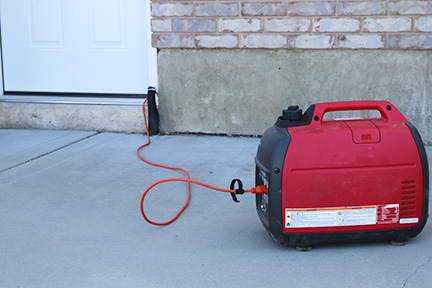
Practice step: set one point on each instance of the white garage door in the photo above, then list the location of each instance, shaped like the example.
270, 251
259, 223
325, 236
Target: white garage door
77, 46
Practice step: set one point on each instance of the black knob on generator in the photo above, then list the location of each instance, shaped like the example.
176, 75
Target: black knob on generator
293, 113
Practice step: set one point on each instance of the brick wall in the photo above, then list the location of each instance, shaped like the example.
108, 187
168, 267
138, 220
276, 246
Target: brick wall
294, 24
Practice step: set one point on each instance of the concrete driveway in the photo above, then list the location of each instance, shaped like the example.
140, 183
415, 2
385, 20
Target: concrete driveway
70, 217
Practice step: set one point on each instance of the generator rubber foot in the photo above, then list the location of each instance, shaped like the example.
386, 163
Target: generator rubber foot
398, 243
303, 248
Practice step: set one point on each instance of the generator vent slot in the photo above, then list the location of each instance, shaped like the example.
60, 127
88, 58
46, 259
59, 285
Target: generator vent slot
408, 197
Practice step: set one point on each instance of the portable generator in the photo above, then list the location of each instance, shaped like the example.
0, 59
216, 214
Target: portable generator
342, 180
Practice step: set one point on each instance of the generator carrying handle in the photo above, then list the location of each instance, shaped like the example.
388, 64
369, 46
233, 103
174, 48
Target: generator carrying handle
388, 111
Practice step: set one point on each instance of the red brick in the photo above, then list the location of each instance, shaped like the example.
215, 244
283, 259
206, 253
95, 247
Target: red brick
361, 41
216, 9
171, 9
263, 41
336, 25
312, 8
423, 24
194, 25
240, 25
387, 24
362, 8
173, 41
311, 41
287, 25
410, 41
415, 7
217, 41
264, 9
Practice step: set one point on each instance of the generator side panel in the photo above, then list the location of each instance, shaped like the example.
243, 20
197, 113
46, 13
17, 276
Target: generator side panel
331, 184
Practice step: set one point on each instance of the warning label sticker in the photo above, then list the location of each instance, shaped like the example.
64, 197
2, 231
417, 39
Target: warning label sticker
388, 214
341, 216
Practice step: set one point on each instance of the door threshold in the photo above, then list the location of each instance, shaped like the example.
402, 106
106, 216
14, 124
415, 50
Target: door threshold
71, 100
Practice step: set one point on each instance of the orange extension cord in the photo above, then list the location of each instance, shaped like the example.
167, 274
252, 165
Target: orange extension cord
258, 189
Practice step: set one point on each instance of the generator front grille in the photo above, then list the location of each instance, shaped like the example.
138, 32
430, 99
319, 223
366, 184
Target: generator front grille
408, 197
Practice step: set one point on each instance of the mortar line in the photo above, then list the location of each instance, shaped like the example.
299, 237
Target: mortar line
50, 152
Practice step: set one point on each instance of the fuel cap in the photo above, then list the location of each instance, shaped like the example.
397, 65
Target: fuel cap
293, 113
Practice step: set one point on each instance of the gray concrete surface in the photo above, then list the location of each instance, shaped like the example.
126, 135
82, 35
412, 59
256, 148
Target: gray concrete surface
244, 91
69, 217
112, 118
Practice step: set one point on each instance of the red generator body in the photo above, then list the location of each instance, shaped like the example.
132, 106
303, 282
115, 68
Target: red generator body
349, 180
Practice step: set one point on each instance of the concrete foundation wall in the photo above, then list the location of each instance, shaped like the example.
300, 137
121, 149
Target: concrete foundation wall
114, 118
243, 91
